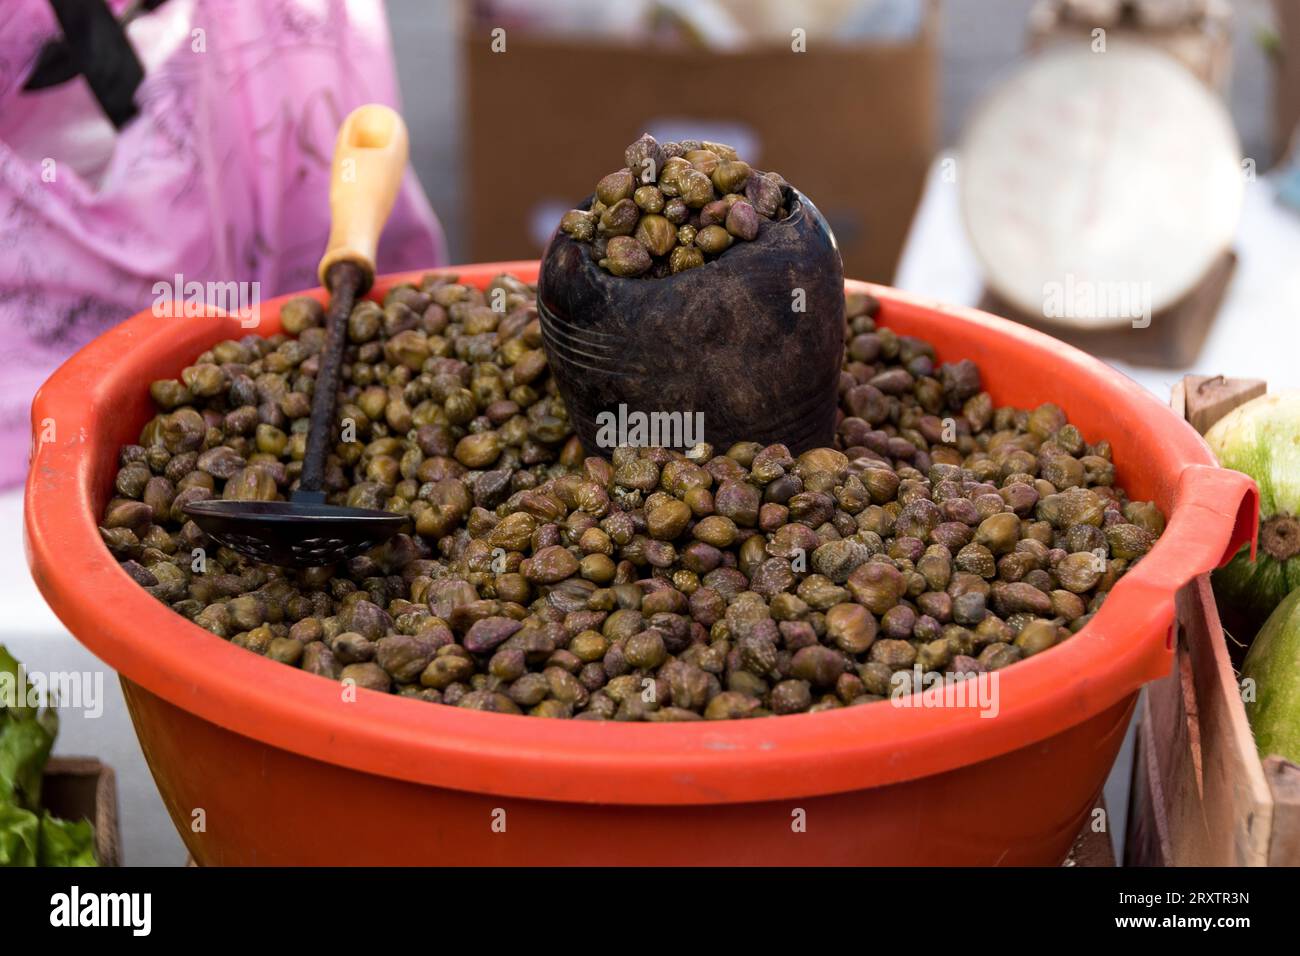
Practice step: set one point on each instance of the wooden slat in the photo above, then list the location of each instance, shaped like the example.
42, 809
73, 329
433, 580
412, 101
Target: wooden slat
1237, 804
1175, 754
1207, 398
1200, 791
1147, 841
1201, 794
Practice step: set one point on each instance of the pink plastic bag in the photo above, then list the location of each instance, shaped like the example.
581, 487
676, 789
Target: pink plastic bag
223, 176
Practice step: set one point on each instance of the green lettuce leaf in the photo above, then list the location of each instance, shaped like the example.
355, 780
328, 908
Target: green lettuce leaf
13, 705
66, 842
19, 836
26, 737
24, 748
28, 835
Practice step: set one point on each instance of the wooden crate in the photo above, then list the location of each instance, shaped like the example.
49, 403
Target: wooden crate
1091, 847
77, 788
1201, 794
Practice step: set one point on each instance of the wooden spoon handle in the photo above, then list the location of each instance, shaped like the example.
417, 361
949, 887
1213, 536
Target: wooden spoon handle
369, 162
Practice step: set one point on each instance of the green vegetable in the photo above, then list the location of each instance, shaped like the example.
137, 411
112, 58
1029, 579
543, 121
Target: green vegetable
31, 839
66, 842
1262, 439
19, 836
30, 836
26, 737
24, 748
1273, 664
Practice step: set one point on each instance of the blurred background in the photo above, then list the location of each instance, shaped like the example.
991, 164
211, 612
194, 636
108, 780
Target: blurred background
970, 46
954, 147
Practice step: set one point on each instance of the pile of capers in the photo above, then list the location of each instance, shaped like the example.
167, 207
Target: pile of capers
673, 206
940, 533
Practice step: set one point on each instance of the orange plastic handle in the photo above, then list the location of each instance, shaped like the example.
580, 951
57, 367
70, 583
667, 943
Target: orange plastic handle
1213, 505
369, 162
1220, 499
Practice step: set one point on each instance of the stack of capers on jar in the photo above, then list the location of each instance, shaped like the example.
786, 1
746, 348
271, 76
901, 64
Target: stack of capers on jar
940, 533
673, 206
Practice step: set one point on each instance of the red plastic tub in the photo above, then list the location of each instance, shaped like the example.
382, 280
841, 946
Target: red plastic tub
260, 763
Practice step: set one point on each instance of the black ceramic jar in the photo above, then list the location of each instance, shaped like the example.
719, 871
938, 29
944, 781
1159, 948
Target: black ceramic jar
749, 345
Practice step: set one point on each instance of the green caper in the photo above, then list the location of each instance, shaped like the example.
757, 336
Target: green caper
713, 240
649, 199
685, 257
580, 224
696, 190
626, 257
619, 219
1035, 637
300, 314
657, 235
730, 176
615, 187
998, 533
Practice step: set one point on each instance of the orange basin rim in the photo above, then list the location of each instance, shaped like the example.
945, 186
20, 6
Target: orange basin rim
1126, 644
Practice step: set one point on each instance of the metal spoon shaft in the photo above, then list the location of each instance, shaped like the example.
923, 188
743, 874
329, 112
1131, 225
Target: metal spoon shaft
345, 280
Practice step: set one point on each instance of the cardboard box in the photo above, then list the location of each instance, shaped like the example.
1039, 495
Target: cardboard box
1286, 86
853, 126
82, 788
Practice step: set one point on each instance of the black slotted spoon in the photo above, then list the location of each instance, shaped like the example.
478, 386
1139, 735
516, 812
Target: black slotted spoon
369, 159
